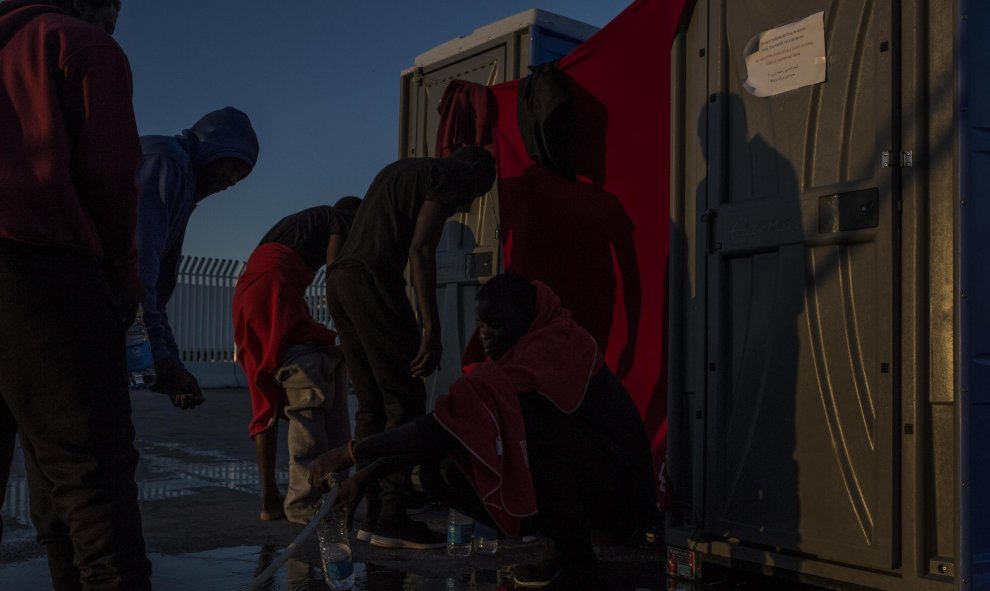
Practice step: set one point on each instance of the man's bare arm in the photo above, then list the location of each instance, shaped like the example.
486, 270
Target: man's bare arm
423, 268
333, 249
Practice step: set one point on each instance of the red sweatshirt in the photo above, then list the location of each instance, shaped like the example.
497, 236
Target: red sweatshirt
69, 145
270, 315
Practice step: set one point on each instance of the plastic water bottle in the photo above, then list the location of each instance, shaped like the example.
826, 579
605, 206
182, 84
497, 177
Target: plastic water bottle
485, 539
335, 551
460, 530
140, 362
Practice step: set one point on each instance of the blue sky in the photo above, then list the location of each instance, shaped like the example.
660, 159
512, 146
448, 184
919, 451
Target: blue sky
319, 79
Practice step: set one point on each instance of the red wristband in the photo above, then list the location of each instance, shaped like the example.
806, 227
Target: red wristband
350, 451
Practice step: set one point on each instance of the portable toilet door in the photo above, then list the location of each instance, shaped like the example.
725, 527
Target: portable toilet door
819, 415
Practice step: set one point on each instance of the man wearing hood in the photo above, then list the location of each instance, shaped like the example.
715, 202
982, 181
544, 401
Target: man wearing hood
69, 285
176, 173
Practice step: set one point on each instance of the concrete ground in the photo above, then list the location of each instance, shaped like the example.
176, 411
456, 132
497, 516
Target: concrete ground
200, 502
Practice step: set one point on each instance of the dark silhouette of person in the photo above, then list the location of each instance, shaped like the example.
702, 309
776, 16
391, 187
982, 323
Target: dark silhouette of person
388, 352
572, 234
755, 297
69, 285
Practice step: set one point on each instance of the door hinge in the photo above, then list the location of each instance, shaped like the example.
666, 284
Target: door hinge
905, 159
711, 230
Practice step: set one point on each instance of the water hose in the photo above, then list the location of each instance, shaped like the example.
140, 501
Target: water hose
325, 507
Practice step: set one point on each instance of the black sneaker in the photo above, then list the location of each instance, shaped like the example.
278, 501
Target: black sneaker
544, 576
409, 534
416, 502
534, 576
539, 575
556, 570
372, 510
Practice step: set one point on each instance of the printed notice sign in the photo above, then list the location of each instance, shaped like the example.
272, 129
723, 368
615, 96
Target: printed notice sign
787, 57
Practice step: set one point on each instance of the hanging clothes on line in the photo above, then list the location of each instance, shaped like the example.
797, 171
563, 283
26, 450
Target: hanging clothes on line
467, 117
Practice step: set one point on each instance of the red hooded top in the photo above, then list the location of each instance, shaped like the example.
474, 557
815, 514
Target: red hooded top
270, 314
69, 145
555, 358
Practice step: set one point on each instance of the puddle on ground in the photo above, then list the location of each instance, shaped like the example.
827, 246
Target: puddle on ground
167, 470
173, 470
233, 569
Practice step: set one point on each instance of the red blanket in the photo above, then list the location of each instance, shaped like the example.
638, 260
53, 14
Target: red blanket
556, 358
467, 112
270, 314
622, 148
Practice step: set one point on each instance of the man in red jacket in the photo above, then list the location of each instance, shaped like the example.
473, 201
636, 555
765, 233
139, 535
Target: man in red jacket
69, 284
292, 362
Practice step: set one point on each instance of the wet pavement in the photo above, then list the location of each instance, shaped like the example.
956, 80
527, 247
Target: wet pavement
199, 495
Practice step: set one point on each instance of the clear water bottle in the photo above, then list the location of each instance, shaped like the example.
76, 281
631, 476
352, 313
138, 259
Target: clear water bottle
485, 539
335, 551
460, 530
140, 362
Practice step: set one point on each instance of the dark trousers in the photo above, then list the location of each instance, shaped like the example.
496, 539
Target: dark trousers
379, 336
8, 438
62, 379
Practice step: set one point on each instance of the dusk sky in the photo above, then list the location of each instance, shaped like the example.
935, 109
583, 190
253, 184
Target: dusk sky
319, 79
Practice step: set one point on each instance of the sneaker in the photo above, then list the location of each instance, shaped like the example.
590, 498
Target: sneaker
409, 534
363, 535
534, 576
372, 509
543, 576
416, 502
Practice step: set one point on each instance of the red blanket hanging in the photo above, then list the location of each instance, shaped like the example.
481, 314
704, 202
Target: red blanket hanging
602, 243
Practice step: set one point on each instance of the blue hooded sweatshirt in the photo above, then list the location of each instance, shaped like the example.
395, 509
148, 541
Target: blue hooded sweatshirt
166, 180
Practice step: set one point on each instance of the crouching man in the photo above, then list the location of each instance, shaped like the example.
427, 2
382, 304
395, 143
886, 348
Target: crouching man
540, 436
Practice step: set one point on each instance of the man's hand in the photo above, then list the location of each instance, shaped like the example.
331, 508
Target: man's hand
428, 358
423, 273
126, 298
175, 381
322, 470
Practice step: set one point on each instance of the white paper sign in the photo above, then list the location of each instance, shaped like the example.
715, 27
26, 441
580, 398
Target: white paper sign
786, 57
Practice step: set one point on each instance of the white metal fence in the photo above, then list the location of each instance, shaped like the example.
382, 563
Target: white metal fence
200, 315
